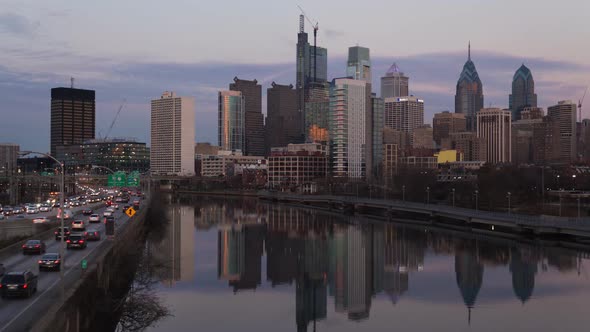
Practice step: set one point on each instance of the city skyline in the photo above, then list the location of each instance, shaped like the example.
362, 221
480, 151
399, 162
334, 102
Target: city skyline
433, 70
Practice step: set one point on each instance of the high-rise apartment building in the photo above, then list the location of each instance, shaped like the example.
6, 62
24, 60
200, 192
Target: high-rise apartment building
494, 126
254, 119
231, 127
377, 113
563, 118
394, 83
446, 123
8, 158
359, 64
404, 113
317, 108
523, 92
350, 128
172, 135
469, 96
283, 119
73, 116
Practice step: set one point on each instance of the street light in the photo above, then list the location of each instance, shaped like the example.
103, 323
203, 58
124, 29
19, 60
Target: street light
61, 217
574, 177
508, 196
453, 192
427, 195
103, 167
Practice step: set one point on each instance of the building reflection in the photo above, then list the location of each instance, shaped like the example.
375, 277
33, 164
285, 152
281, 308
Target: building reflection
523, 266
469, 274
240, 249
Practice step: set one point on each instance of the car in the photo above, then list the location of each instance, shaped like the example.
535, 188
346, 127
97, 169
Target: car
34, 246
50, 261
40, 220
78, 225
58, 233
45, 208
2, 217
136, 204
31, 209
76, 241
68, 214
8, 211
94, 218
18, 210
107, 213
116, 206
92, 234
18, 284
108, 218
2, 269
87, 212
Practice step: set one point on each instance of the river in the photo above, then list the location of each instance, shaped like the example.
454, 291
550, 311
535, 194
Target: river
244, 265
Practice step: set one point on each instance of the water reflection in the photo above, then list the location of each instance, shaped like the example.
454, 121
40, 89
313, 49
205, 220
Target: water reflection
343, 265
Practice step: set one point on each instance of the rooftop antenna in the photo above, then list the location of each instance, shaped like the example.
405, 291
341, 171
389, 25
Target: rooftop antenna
469, 51
71, 82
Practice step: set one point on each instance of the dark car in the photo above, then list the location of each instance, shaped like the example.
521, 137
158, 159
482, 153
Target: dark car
92, 235
34, 247
8, 211
106, 219
77, 240
87, 212
18, 284
66, 231
50, 261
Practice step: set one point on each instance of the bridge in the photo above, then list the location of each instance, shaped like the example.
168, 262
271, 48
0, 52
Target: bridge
577, 229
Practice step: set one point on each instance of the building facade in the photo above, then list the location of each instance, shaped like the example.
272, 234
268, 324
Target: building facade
494, 126
253, 117
446, 123
317, 109
523, 92
350, 128
469, 96
404, 113
563, 119
390, 162
523, 133
378, 113
394, 84
172, 135
231, 118
224, 163
283, 119
8, 158
422, 138
473, 147
359, 64
297, 166
73, 116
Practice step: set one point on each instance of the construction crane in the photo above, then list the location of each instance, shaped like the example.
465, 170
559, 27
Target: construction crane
115, 119
580, 101
315, 27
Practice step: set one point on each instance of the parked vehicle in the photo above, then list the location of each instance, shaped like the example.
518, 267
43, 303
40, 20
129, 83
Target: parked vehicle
34, 247
50, 261
18, 284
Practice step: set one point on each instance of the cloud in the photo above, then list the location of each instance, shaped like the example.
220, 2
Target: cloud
331, 34
17, 25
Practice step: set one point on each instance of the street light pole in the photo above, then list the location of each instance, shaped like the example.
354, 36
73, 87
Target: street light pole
578, 206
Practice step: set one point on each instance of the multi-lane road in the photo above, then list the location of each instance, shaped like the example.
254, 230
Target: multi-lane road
19, 314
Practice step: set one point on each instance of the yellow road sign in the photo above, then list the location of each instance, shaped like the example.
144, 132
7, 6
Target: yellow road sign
130, 211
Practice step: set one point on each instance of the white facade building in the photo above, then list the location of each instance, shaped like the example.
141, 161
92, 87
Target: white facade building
173, 135
404, 113
495, 127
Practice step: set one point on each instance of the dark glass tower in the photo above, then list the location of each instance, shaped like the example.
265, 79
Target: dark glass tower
469, 97
283, 120
254, 119
523, 92
73, 116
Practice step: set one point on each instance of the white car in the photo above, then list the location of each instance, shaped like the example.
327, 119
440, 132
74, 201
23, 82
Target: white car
107, 213
40, 220
94, 218
78, 225
31, 209
45, 208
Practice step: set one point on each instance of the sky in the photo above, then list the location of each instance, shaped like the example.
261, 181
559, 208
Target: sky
134, 50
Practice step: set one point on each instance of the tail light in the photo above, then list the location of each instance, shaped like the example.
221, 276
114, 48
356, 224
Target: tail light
25, 286
56, 233
57, 261
0, 285
24, 246
67, 241
37, 246
81, 241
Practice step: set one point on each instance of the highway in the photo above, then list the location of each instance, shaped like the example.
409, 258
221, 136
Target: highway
18, 314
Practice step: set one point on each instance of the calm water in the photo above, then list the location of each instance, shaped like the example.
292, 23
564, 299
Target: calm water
233, 265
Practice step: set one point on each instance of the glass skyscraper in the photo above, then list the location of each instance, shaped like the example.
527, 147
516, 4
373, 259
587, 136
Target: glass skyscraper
394, 83
469, 97
231, 121
359, 63
523, 92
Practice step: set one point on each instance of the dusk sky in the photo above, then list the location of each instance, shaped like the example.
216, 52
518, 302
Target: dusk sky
135, 49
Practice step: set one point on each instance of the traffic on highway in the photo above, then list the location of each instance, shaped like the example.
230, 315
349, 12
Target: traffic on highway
28, 273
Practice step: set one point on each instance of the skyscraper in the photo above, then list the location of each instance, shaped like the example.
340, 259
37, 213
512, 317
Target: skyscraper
494, 126
469, 97
283, 120
231, 132
254, 119
523, 92
404, 113
173, 135
394, 83
350, 128
359, 63
317, 107
73, 116
563, 119
8, 157
377, 113
446, 123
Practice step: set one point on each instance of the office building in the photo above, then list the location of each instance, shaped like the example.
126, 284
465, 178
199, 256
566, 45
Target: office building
377, 110
446, 123
394, 83
472, 147
253, 117
402, 139
297, 166
206, 149
283, 119
350, 128
359, 64
228, 163
390, 162
494, 126
523, 92
418, 163
523, 133
172, 135
531, 113
469, 96
563, 118
404, 113
422, 138
73, 116
231, 127
317, 109
8, 158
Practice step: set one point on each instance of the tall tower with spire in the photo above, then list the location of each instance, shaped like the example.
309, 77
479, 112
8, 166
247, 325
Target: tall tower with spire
469, 96
523, 92
394, 83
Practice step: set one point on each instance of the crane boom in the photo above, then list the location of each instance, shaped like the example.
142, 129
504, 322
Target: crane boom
115, 119
580, 101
